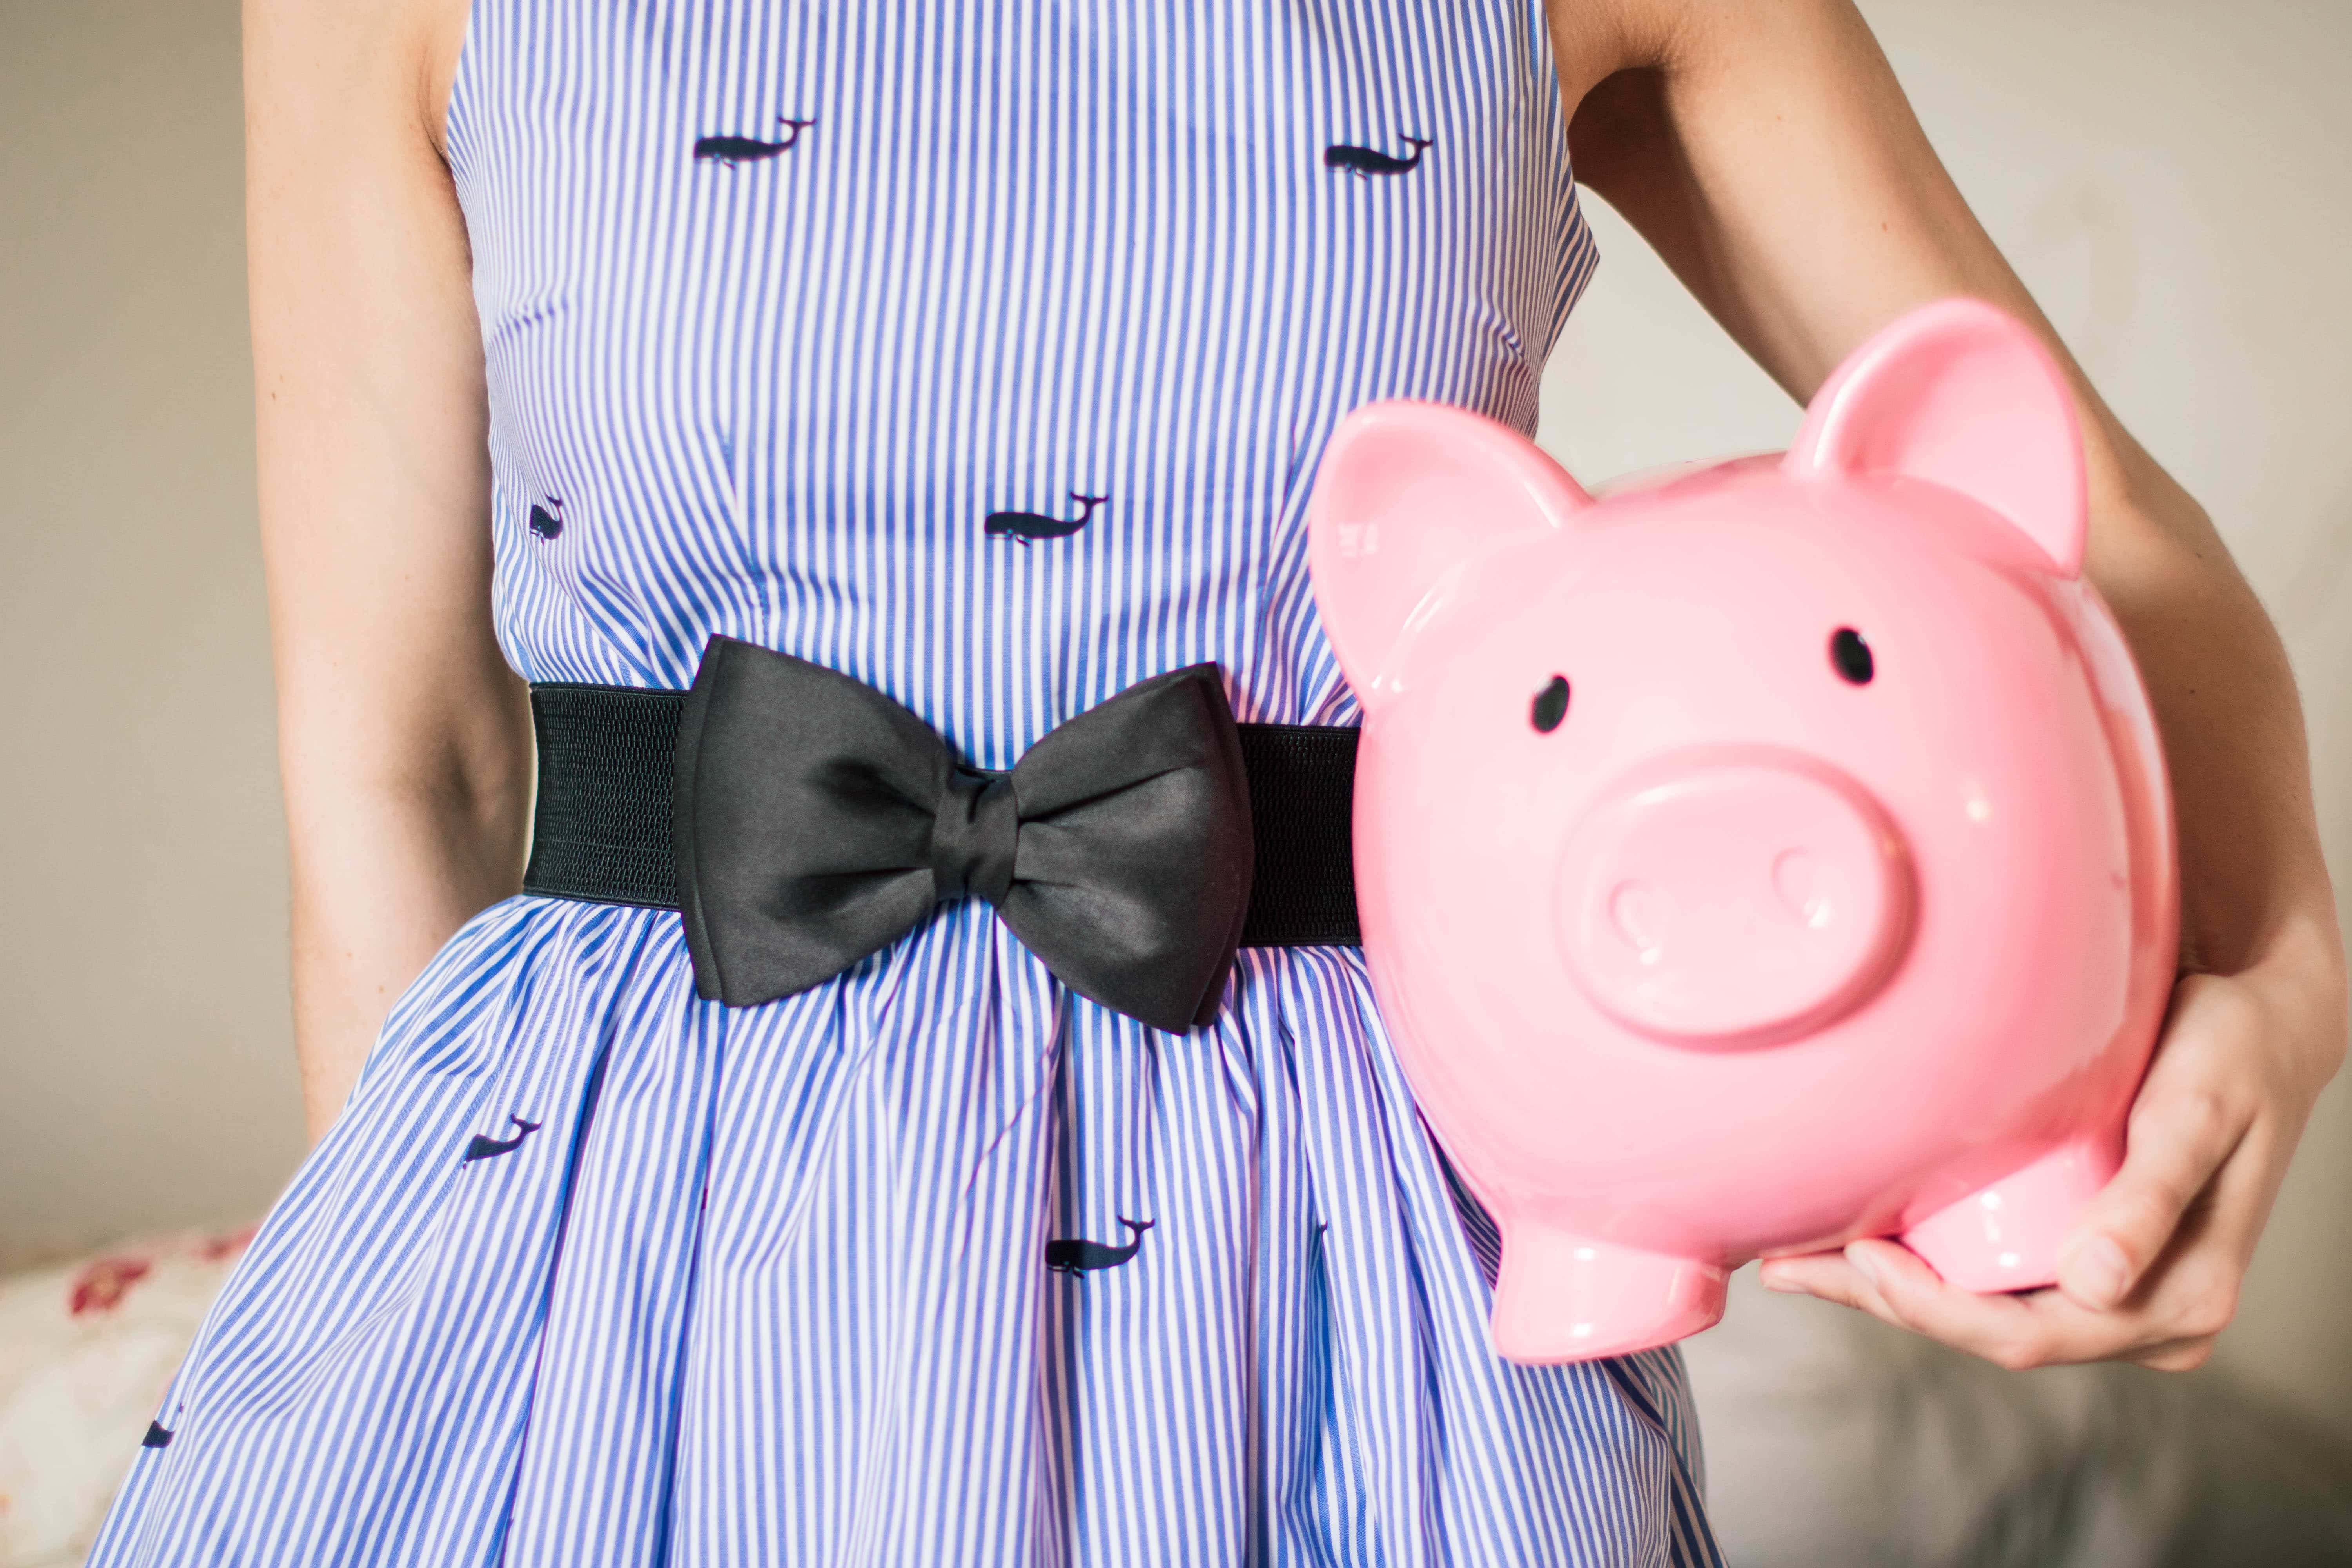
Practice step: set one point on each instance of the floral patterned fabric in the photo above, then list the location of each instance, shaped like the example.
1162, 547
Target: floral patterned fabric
86, 1348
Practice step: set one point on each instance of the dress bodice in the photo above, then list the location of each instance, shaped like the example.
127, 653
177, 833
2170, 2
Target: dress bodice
821, 325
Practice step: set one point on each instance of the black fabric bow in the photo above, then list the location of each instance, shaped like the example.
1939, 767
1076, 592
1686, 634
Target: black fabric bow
818, 821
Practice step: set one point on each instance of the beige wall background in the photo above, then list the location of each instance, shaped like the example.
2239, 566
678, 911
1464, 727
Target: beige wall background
2170, 176
146, 1060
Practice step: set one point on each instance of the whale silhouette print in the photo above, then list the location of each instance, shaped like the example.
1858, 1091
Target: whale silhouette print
1021, 527
1365, 161
1079, 1255
485, 1147
547, 522
157, 1437
733, 150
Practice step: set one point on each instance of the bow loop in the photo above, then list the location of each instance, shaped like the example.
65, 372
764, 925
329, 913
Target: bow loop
816, 821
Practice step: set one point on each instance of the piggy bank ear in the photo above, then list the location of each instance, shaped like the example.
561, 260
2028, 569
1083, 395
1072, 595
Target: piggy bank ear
1407, 492
1965, 396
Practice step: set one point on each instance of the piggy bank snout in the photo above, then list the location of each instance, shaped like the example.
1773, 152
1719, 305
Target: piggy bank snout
1728, 899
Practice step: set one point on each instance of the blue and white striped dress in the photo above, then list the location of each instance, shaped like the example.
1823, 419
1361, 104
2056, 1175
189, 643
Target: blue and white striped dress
767, 1286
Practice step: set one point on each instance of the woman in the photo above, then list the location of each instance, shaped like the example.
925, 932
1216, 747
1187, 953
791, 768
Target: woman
984, 354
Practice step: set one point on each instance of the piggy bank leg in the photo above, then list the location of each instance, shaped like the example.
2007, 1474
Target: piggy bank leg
2005, 1236
1562, 1297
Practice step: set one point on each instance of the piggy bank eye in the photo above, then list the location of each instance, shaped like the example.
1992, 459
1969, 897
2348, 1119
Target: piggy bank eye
1851, 655
1552, 705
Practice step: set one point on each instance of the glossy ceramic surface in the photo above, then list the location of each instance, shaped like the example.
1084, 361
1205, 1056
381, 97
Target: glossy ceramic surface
1770, 856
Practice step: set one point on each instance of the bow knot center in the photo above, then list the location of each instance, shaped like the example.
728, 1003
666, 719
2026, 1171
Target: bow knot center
973, 840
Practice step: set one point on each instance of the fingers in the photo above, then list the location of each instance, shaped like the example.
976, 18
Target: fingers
2189, 1118
1893, 1284
2172, 1330
2175, 1355
1825, 1274
2013, 1332
2153, 1266
2152, 1269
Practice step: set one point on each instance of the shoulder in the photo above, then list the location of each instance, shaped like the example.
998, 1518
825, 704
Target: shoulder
378, 69
1596, 40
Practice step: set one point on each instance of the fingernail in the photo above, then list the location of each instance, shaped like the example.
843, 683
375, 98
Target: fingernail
2097, 1274
1871, 1269
1778, 1280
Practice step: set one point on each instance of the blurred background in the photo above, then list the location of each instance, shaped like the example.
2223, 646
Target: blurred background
2170, 177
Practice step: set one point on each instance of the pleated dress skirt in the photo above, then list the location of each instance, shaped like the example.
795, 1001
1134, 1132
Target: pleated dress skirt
787, 308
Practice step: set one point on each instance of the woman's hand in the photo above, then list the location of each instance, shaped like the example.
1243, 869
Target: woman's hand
2150, 1271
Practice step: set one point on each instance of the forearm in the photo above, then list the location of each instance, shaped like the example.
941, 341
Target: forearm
383, 871
2252, 881
2256, 903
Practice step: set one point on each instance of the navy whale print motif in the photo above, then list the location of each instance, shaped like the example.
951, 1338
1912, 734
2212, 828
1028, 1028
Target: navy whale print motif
1021, 527
1079, 1255
547, 521
1365, 161
485, 1147
730, 151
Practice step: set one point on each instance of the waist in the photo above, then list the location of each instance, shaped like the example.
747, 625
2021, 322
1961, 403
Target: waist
603, 823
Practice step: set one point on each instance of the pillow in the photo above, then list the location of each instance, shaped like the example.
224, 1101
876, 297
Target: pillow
86, 1350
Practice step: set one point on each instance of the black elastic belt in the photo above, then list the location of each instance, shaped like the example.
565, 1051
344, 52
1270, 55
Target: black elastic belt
607, 777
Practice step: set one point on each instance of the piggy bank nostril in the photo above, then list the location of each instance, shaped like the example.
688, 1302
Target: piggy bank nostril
1639, 916
1797, 879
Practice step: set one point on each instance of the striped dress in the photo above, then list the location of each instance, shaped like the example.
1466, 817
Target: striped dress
782, 301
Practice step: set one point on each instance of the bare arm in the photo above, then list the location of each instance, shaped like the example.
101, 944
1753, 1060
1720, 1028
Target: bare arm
403, 741
1766, 150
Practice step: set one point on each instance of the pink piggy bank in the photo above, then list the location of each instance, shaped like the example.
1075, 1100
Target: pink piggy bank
1771, 856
